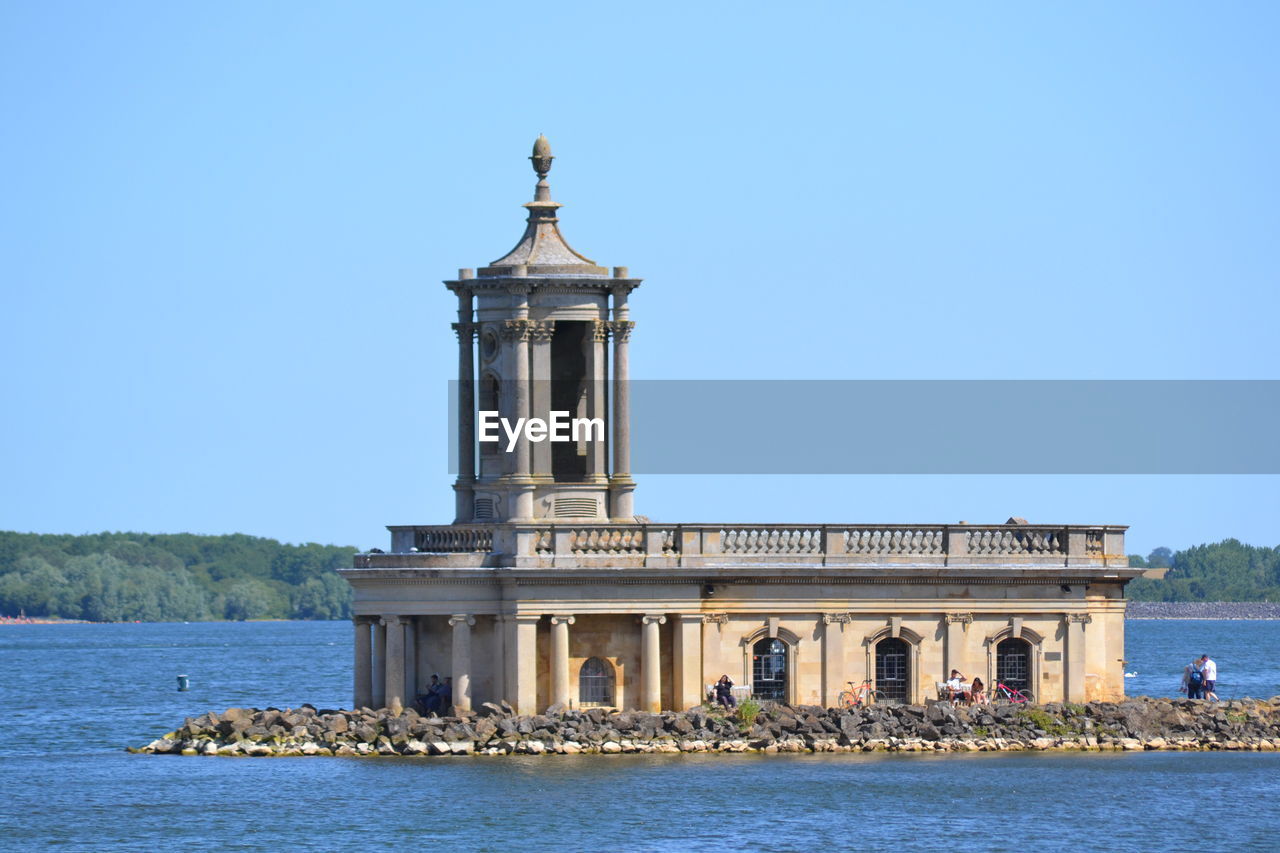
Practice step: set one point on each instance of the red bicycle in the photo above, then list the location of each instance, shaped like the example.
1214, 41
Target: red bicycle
859, 694
1004, 693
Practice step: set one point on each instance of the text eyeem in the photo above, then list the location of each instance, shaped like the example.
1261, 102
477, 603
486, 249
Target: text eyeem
559, 427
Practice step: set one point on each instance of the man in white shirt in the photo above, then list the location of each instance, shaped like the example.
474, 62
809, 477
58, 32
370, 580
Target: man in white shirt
956, 687
1210, 671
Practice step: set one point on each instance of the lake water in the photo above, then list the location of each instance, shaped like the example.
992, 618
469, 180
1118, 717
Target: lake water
73, 696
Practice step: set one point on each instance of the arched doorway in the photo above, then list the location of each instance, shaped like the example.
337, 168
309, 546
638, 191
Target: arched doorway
893, 669
595, 683
769, 670
1013, 663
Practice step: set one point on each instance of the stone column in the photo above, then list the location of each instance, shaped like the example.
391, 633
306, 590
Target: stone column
686, 659
651, 663
1073, 678
540, 334
833, 671
522, 663
394, 681
461, 664
713, 665
621, 486
364, 663
379, 664
560, 660
597, 460
957, 624
519, 332
464, 488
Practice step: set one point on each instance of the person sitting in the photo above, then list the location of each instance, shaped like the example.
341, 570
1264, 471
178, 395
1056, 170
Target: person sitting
724, 692
446, 695
978, 692
956, 687
430, 700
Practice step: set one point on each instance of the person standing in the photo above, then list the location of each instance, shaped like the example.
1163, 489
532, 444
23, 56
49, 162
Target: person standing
1209, 671
1193, 680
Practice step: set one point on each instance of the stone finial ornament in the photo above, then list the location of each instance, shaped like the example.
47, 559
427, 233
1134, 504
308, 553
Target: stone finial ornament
542, 157
542, 251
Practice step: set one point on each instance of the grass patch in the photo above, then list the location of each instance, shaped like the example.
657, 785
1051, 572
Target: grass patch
1044, 722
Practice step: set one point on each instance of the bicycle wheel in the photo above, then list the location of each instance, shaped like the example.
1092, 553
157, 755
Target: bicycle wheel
847, 699
877, 696
1024, 697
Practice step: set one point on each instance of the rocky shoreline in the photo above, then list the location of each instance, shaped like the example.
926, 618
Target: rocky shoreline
1132, 725
1203, 610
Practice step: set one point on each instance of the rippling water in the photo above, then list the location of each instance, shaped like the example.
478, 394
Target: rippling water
74, 695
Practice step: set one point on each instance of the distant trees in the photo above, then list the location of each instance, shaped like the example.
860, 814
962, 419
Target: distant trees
1223, 571
113, 577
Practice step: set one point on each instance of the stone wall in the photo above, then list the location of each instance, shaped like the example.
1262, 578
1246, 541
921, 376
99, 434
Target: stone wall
1136, 724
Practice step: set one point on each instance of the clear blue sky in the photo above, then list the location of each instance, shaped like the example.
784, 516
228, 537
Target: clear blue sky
223, 229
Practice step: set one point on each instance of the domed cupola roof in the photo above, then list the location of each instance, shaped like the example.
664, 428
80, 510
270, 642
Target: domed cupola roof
543, 251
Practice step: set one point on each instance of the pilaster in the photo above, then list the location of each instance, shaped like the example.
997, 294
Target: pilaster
1074, 682
686, 658
833, 649
956, 625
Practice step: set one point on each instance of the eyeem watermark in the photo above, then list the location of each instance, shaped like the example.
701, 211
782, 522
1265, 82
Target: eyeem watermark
560, 427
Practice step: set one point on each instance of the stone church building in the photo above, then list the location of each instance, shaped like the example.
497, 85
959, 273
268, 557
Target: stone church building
548, 589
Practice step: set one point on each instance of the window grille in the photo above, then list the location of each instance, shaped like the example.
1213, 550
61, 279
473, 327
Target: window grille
893, 668
769, 670
595, 683
1013, 663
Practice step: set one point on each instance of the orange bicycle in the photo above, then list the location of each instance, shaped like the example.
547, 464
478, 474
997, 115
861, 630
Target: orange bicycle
860, 694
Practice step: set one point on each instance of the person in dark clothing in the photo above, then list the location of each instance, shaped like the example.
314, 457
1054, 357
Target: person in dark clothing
430, 701
446, 695
724, 692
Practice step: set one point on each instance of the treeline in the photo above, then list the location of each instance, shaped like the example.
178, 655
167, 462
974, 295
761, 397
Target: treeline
124, 577
1224, 571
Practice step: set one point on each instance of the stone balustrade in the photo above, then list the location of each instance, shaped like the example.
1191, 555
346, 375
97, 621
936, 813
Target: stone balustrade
652, 545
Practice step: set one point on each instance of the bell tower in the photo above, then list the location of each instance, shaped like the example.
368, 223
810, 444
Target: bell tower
540, 332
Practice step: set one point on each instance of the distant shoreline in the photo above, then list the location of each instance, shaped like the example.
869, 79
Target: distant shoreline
1240, 610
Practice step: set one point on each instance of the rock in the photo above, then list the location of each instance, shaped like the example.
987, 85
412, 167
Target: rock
611, 747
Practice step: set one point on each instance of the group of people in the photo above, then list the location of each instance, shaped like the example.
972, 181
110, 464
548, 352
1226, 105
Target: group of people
959, 690
438, 696
1199, 678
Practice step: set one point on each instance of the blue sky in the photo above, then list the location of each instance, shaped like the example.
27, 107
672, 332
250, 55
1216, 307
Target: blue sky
223, 230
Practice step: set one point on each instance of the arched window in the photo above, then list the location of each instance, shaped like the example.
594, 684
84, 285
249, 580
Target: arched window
595, 683
893, 668
769, 670
1013, 663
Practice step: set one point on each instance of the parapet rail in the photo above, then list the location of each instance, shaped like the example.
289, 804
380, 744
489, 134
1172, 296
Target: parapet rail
567, 543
